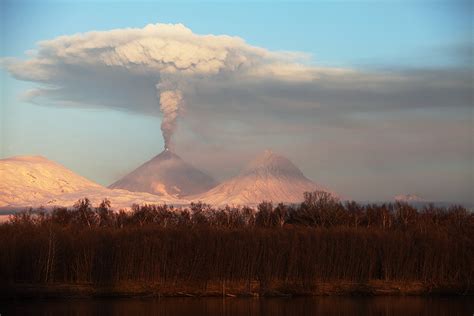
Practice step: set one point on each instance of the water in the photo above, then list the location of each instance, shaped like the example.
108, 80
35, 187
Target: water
405, 306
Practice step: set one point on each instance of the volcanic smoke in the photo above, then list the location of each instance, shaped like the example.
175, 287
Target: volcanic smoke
170, 105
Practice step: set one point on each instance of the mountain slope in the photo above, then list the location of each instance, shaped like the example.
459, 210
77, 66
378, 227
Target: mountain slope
32, 181
32, 178
269, 177
166, 174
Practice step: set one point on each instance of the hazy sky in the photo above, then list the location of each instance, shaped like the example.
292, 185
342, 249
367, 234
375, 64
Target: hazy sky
371, 99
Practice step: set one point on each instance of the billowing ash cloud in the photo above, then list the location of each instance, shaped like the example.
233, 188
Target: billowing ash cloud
165, 55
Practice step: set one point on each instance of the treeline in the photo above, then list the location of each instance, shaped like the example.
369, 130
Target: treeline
321, 239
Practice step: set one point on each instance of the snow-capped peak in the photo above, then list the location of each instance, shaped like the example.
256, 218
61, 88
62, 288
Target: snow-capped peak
268, 177
35, 177
269, 162
409, 198
166, 175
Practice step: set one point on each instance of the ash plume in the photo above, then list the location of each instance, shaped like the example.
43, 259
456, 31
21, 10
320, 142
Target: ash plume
115, 68
170, 105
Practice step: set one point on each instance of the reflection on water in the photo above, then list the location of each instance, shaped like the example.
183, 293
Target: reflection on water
246, 306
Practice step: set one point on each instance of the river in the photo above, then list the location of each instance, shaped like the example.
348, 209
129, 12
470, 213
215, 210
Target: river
405, 306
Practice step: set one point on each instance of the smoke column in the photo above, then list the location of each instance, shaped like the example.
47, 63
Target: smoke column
170, 105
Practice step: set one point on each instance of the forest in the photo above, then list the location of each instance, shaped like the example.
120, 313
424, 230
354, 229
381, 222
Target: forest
273, 249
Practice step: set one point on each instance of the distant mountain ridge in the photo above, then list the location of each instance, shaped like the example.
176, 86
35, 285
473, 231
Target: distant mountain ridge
409, 198
33, 181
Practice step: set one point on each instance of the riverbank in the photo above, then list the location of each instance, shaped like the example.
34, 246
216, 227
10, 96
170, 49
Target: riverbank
230, 289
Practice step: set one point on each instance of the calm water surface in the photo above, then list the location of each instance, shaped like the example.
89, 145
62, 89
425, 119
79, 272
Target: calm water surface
245, 306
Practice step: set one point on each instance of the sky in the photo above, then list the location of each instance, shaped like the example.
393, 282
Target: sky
370, 98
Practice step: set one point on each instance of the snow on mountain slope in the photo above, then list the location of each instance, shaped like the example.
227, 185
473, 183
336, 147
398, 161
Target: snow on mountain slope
36, 181
409, 198
166, 174
120, 199
32, 181
31, 178
269, 177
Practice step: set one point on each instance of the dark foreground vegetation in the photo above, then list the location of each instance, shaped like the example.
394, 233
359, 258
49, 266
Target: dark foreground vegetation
322, 246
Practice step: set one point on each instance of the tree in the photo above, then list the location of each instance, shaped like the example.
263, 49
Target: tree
263, 217
84, 213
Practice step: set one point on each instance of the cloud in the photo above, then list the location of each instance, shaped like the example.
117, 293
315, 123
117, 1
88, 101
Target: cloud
121, 68
156, 50
232, 98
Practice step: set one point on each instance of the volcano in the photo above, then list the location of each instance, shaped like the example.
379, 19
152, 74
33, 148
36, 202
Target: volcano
166, 175
269, 177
